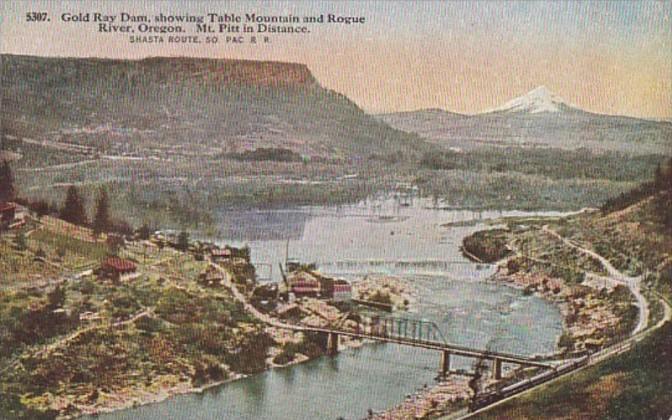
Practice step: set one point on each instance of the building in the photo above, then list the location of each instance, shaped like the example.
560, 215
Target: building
218, 254
342, 291
303, 283
118, 269
338, 290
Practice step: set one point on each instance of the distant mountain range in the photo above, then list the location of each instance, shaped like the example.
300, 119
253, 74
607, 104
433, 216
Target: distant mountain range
187, 106
539, 118
207, 107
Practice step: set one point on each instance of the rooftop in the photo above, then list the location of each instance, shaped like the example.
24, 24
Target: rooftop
119, 264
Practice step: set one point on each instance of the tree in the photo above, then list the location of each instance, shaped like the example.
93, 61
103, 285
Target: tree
73, 209
663, 201
56, 297
183, 241
659, 177
144, 232
7, 191
20, 241
40, 207
101, 220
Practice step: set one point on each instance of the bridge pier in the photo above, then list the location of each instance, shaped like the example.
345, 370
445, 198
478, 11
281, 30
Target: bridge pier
445, 363
332, 344
497, 368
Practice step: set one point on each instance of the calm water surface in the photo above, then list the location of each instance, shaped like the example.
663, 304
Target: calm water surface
378, 236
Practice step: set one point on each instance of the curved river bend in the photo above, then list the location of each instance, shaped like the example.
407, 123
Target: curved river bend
377, 236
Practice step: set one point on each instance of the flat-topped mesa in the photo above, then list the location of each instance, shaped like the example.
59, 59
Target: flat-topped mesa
247, 72
263, 73
168, 69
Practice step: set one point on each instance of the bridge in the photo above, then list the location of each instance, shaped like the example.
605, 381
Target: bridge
416, 333
403, 331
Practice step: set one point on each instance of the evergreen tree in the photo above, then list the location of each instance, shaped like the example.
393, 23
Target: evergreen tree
183, 241
101, 220
663, 201
658, 178
667, 177
21, 242
144, 232
7, 191
73, 209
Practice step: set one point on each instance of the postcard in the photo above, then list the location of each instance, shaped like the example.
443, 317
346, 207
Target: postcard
335, 210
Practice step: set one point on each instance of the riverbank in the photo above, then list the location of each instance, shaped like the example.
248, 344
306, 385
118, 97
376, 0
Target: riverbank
596, 310
288, 349
428, 402
162, 389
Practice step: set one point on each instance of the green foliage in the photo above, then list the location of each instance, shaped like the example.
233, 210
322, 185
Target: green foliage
250, 355
183, 241
20, 241
122, 303
380, 296
554, 163
73, 209
101, 220
7, 188
439, 161
144, 232
277, 154
28, 320
11, 408
569, 274
67, 245
660, 186
488, 246
638, 388
40, 253
56, 298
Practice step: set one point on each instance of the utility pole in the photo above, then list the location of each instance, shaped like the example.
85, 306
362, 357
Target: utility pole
286, 253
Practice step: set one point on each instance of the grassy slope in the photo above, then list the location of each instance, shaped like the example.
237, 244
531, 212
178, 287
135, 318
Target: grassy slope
193, 336
631, 386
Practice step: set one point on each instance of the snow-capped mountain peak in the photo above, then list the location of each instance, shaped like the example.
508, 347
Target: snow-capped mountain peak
540, 99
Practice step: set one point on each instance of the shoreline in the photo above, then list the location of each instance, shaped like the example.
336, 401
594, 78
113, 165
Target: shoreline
447, 396
451, 391
142, 396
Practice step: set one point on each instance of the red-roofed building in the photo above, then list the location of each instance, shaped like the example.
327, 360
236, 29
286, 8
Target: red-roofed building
304, 284
118, 268
342, 291
338, 290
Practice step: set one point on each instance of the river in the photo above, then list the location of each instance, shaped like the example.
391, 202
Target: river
376, 236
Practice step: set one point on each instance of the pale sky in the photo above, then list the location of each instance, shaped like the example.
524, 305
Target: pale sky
610, 57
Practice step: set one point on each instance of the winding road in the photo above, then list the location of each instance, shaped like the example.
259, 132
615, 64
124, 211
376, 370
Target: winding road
632, 283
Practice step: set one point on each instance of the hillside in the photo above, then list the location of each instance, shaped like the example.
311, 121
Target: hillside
185, 106
636, 241
539, 118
